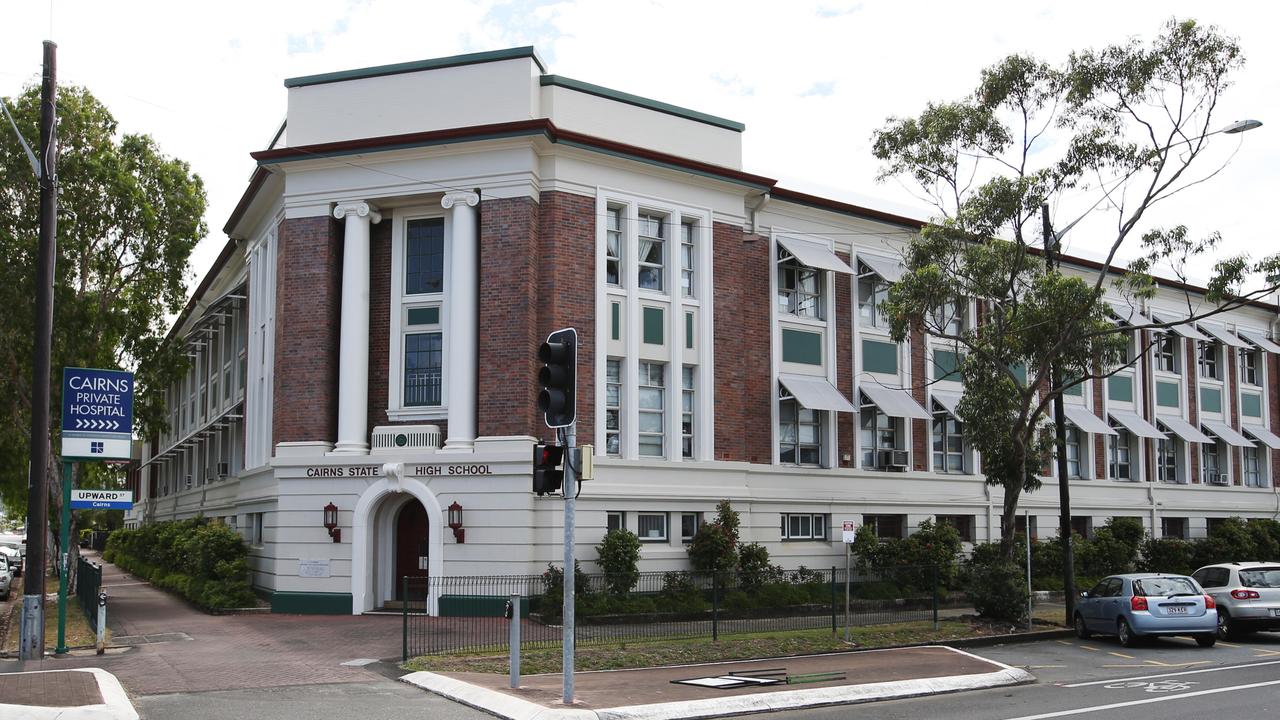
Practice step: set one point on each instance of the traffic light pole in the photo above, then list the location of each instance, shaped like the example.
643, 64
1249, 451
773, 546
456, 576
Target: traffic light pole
570, 490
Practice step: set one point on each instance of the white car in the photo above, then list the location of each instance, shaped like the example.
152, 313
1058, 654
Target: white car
6, 579
12, 552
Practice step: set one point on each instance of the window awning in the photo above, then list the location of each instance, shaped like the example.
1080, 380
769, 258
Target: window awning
1136, 425
1184, 429
1227, 433
1263, 435
895, 402
1184, 329
948, 401
891, 269
814, 255
1221, 334
1259, 338
1083, 418
816, 393
1128, 314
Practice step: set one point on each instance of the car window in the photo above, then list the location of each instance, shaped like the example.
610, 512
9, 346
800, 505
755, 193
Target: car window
1112, 587
1165, 587
1261, 577
1099, 589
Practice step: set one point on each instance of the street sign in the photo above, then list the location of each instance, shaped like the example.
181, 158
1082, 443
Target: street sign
850, 531
84, 499
97, 414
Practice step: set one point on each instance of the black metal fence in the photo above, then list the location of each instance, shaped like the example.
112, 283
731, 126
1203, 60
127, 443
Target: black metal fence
452, 614
88, 582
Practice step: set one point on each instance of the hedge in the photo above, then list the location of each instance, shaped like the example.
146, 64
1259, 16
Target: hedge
203, 561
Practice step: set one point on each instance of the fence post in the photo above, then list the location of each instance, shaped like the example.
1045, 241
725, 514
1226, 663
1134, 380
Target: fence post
514, 640
102, 622
404, 613
933, 582
715, 606
833, 600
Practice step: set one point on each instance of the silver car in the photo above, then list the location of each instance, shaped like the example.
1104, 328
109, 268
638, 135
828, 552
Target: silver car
1247, 593
1140, 605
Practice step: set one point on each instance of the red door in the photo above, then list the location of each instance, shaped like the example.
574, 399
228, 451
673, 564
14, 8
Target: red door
411, 548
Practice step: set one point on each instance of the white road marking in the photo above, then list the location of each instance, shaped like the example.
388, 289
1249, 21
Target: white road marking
1131, 703
1176, 674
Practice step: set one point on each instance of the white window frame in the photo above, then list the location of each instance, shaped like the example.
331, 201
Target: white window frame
688, 258
259, 385
642, 533
820, 420
817, 527
1166, 352
662, 239
1209, 358
898, 425
697, 525
1165, 450
617, 409
1257, 477
787, 265
401, 303
940, 414
609, 515
1120, 454
615, 225
645, 381
869, 280
688, 410
1220, 464
1081, 456
1250, 373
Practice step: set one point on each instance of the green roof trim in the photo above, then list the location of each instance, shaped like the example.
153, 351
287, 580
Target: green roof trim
628, 98
418, 65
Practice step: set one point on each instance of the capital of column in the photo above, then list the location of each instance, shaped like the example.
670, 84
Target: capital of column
359, 209
469, 199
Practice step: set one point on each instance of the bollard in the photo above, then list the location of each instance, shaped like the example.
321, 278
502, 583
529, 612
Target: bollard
513, 614
102, 621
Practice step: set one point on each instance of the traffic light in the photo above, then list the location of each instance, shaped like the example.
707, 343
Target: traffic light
558, 377
547, 477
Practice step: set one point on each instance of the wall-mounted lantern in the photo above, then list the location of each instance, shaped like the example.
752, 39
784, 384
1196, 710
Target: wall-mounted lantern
455, 523
331, 522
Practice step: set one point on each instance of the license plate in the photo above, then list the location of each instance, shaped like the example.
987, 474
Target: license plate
1275, 612
1175, 609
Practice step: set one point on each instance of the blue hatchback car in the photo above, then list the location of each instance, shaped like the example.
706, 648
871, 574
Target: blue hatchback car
1140, 605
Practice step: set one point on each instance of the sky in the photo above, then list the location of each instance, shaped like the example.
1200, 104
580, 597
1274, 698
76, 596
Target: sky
811, 80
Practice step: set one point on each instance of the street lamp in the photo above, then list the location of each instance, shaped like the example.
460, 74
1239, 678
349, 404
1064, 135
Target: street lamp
1240, 126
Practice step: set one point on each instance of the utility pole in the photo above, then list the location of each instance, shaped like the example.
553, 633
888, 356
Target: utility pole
31, 636
1060, 437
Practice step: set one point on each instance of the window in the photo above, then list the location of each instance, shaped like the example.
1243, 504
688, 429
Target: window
686, 411
1252, 467
872, 292
1073, 451
1173, 527
799, 288
687, 259
1209, 462
949, 318
690, 523
1249, 367
880, 437
804, 526
422, 363
963, 525
799, 432
615, 520
254, 529
651, 251
1166, 353
948, 442
886, 527
652, 526
613, 407
1167, 452
1082, 525
424, 256
1209, 367
1119, 467
613, 246
652, 402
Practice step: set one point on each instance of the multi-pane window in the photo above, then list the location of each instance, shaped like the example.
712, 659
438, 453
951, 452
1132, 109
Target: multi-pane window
651, 527
687, 259
1173, 527
1167, 460
963, 525
1166, 347
613, 246
1249, 367
799, 432
254, 529
613, 407
651, 250
804, 526
615, 520
1073, 451
949, 318
424, 256
879, 436
886, 527
1209, 366
948, 442
799, 288
1209, 462
690, 523
1119, 454
652, 405
1252, 467
872, 292
686, 411
423, 358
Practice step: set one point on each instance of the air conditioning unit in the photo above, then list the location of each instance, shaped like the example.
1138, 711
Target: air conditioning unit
393, 438
188, 482
224, 469
895, 460
1219, 479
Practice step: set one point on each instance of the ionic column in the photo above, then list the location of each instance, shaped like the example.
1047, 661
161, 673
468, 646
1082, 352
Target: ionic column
464, 313
353, 346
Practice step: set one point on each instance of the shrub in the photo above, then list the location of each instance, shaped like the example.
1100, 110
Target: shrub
552, 605
754, 569
205, 562
998, 590
619, 556
715, 546
1169, 555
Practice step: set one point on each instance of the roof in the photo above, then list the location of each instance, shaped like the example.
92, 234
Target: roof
417, 66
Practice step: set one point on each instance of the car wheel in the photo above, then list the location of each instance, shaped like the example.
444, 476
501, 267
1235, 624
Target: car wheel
1206, 640
1226, 628
1128, 637
1082, 630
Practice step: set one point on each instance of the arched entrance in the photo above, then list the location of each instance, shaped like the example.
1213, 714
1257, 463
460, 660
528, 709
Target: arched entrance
396, 531
412, 551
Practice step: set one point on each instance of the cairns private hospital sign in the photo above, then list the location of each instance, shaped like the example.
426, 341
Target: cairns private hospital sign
97, 414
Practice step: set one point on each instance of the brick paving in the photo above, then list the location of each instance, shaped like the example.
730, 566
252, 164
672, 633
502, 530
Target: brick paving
229, 651
56, 689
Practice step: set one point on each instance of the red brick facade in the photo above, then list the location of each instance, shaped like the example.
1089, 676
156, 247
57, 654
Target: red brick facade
743, 398
1099, 441
919, 391
379, 320
509, 323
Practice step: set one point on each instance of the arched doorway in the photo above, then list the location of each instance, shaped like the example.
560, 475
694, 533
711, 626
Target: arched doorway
412, 552
376, 546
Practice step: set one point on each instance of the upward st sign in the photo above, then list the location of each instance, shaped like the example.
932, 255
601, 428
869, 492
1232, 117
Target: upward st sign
97, 414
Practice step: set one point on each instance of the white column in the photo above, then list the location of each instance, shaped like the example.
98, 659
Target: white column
353, 347
464, 314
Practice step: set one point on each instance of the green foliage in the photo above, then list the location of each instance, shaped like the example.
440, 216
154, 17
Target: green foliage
552, 604
619, 556
203, 561
715, 546
998, 590
128, 219
1170, 555
928, 554
754, 569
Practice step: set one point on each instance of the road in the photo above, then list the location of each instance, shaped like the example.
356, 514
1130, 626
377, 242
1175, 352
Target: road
1093, 679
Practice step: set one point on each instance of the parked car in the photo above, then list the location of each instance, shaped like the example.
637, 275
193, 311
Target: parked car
1140, 605
6, 579
13, 553
1247, 594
